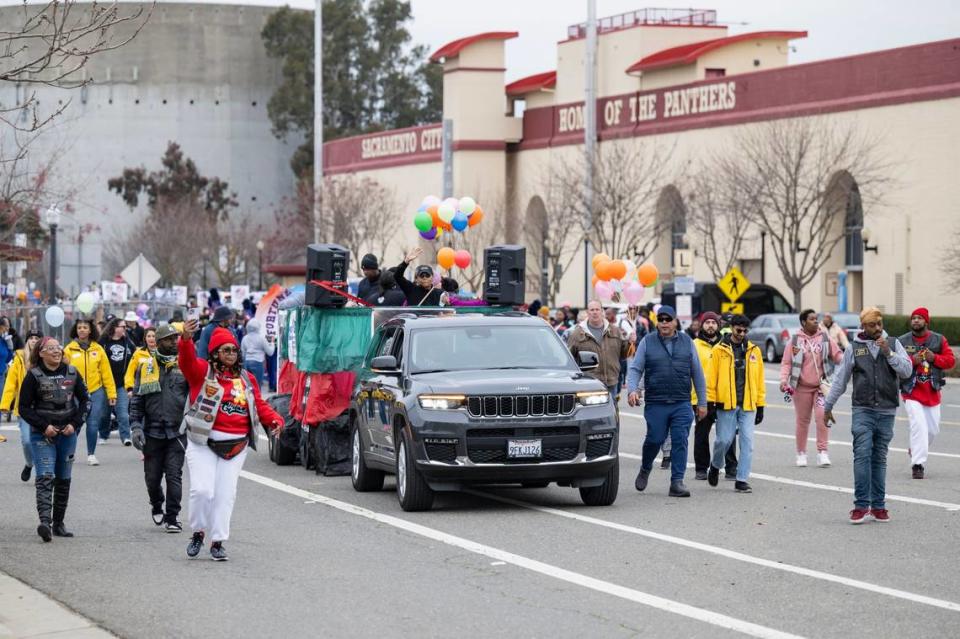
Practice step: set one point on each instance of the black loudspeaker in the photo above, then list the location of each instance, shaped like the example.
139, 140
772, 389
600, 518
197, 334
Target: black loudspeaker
326, 263
504, 282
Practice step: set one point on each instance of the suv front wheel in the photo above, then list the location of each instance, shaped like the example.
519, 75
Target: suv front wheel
606, 493
412, 491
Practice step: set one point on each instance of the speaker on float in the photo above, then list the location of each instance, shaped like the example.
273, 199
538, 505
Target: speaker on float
326, 263
504, 269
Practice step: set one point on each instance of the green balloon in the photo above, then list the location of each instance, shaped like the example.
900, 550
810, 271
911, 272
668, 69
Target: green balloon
423, 221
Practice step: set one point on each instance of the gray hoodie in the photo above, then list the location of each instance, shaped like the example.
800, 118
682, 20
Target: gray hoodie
897, 359
255, 348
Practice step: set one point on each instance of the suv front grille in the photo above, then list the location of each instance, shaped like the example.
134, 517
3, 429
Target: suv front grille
441, 452
489, 445
599, 447
521, 405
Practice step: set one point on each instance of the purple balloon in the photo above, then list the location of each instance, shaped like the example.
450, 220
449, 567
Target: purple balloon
429, 235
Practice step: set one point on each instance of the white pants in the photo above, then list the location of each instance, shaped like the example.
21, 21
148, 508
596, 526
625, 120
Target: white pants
924, 426
213, 488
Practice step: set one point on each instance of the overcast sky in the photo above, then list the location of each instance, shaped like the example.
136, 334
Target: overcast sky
836, 27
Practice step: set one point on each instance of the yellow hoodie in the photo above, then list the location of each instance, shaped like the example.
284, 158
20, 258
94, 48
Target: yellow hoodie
11, 388
722, 381
93, 365
139, 355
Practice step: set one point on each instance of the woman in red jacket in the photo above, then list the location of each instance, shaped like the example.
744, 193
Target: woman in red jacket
221, 423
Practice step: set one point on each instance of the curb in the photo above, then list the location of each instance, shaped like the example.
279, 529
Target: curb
27, 612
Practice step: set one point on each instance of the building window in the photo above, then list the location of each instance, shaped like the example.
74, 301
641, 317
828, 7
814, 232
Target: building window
853, 223
715, 73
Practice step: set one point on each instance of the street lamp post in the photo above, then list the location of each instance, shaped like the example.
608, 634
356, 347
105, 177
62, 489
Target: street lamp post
259, 265
53, 221
204, 253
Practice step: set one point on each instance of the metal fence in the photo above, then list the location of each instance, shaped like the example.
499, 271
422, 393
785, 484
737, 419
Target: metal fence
25, 317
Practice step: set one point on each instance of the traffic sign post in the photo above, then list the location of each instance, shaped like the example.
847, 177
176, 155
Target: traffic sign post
731, 307
734, 284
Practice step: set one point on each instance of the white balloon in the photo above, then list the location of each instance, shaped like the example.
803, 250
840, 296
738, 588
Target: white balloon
54, 316
86, 302
467, 204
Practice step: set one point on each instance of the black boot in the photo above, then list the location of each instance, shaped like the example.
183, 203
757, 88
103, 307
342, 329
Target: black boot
61, 495
44, 504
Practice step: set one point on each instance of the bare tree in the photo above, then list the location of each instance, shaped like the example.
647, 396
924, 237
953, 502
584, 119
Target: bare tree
627, 183
359, 213
950, 263
719, 214
554, 232
792, 174
232, 247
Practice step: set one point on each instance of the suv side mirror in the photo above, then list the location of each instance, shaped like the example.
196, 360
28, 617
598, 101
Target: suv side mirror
384, 364
588, 360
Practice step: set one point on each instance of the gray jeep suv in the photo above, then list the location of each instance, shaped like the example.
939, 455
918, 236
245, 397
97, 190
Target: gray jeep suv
453, 400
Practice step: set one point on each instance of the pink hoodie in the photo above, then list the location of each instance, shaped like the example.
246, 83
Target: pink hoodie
812, 367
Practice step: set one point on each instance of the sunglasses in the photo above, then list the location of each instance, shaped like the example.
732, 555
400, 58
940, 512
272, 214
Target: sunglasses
227, 349
52, 349
664, 319
741, 331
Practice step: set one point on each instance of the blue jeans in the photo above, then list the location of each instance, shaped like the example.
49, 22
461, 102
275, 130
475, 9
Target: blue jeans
25, 441
122, 410
256, 371
872, 433
98, 408
622, 379
674, 419
728, 422
53, 458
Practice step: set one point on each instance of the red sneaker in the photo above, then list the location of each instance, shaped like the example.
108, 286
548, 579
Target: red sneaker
880, 514
859, 515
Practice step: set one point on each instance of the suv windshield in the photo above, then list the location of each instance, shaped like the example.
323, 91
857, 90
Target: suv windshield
487, 347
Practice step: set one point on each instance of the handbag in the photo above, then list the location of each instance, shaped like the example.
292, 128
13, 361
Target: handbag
227, 448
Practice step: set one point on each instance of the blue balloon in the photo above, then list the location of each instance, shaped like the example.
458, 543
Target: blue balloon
460, 222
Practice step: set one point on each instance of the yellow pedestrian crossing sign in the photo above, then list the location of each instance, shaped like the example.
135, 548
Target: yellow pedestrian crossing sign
733, 284
731, 307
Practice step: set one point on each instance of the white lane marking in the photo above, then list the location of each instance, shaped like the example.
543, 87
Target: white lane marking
832, 442
731, 554
837, 489
606, 587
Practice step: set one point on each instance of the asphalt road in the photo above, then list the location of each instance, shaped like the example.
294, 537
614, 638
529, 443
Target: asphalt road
309, 556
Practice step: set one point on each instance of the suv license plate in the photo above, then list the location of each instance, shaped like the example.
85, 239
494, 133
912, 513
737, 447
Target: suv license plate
520, 448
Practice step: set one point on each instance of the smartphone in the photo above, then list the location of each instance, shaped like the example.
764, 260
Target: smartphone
193, 314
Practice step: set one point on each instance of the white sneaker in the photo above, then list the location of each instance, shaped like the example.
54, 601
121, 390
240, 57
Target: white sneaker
823, 459
801, 460
92, 460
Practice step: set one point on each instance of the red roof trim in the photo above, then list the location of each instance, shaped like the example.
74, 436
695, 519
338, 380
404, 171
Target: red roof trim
531, 83
689, 53
452, 49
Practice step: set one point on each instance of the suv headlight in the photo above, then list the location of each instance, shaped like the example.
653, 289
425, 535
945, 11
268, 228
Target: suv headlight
593, 398
442, 402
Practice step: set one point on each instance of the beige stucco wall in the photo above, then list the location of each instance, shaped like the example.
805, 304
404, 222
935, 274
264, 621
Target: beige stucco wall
740, 57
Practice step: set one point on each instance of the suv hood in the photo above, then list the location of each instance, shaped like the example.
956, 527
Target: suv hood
524, 381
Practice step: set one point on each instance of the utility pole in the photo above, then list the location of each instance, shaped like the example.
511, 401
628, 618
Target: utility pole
590, 138
317, 119
446, 157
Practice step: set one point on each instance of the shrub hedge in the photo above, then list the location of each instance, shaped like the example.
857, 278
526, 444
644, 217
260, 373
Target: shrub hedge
949, 327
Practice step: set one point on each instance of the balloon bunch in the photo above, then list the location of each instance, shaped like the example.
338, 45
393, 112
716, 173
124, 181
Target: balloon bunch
622, 276
436, 217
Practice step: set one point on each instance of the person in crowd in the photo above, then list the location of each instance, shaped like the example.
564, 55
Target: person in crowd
634, 331
134, 330
15, 340
221, 423
451, 295
148, 351
11, 397
666, 363
222, 317
559, 323
835, 331
694, 329
877, 363
371, 276
707, 338
156, 410
255, 349
931, 357
736, 385
598, 335
6, 348
423, 292
610, 315
544, 313
387, 292
54, 401
805, 373
535, 307
120, 350
84, 353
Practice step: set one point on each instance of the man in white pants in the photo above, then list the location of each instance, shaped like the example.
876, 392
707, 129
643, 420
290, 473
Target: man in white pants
931, 356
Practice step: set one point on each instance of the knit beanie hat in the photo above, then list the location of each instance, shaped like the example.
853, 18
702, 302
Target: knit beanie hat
922, 312
219, 337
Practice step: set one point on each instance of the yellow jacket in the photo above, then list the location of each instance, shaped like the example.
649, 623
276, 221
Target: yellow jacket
138, 357
722, 382
93, 365
703, 351
11, 388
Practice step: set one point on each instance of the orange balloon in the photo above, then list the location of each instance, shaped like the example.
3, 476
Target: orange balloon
476, 217
617, 270
599, 257
593, 282
446, 257
648, 274
603, 270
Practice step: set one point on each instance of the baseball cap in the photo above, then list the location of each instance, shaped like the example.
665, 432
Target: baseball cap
666, 310
424, 269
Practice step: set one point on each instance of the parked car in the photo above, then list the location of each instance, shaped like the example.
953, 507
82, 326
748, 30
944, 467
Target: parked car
772, 333
849, 322
446, 402
757, 300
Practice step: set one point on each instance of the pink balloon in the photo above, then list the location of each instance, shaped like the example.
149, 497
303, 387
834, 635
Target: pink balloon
633, 292
604, 291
